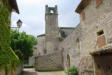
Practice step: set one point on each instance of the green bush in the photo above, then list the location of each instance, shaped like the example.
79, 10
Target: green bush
73, 69
27, 66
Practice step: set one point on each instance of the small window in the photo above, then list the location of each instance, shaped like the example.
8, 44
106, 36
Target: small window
51, 11
39, 54
101, 32
45, 51
78, 43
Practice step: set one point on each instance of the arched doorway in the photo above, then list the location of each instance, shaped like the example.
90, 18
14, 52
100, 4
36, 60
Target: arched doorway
68, 61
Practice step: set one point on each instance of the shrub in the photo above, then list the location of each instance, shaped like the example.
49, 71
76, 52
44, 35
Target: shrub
27, 66
73, 70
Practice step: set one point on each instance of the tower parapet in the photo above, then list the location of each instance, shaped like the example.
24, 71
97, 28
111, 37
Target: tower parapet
51, 10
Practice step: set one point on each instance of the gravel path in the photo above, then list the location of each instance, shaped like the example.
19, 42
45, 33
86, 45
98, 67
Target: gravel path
33, 72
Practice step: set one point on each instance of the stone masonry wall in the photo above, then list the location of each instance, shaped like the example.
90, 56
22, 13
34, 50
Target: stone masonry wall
49, 62
83, 39
51, 29
86, 66
40, 46
96, 19
70, 46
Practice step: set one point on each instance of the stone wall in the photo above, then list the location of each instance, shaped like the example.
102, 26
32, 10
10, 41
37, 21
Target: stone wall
40, 46
84, 39
92, 24
31, 61
66, 31
17, 72
71, 46
19, 69
86, 66
51, 29
49, 62
96, 20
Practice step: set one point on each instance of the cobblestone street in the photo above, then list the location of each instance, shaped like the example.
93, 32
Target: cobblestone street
33, 72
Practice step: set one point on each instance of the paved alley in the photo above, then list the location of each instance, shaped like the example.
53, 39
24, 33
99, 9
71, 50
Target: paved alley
33, 72
29, 72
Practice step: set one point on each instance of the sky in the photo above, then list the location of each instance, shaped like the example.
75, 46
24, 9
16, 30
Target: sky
32, 14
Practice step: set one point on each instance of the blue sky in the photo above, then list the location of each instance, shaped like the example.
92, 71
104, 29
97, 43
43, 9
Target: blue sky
32, 14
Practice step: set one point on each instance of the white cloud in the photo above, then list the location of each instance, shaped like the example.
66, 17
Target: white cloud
38, 2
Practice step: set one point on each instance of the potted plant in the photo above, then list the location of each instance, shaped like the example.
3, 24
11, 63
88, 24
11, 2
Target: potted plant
72, 71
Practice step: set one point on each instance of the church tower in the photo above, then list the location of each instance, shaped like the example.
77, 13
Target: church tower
51, 29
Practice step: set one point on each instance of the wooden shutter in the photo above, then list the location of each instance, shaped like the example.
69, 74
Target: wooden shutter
101, 41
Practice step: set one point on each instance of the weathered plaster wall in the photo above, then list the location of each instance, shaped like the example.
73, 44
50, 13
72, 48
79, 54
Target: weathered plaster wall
49, 62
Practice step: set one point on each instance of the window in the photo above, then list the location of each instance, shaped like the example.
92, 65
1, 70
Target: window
98, 2
45, 51
51, 11
101, 42
101, 32
78, 44
39, 54
68, 61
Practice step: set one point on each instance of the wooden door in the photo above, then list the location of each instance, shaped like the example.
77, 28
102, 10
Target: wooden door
103, 65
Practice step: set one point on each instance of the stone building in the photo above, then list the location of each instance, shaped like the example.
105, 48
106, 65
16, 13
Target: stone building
96, 32
49, 57
88, 46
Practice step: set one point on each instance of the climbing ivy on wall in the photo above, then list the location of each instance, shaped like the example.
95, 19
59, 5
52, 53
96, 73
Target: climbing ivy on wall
7, 56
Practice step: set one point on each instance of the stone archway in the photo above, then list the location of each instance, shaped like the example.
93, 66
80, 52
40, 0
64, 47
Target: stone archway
68, 61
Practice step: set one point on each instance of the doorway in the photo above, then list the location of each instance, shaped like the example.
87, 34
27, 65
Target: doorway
103, 64
68, 61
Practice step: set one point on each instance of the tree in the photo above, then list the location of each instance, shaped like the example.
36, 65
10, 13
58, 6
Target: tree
22, 44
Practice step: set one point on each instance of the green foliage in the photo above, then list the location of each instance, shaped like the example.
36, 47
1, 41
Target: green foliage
73, 69
27, 66
22, 44
60, 38
7, 55
7, 58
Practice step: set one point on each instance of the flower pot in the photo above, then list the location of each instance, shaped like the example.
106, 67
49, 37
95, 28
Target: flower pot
72, 73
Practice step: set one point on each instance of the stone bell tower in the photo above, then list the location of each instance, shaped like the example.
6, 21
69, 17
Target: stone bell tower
51, 29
